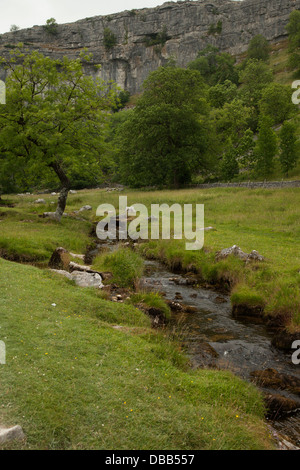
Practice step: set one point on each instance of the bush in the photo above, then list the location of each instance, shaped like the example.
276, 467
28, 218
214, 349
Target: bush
51, 26
109, 38
125, 265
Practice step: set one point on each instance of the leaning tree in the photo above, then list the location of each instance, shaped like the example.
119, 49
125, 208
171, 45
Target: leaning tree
55, 117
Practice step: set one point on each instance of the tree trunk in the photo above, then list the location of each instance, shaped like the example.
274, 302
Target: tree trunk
65, 188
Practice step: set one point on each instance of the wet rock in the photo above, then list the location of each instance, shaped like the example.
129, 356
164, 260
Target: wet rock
271, 378
220, 300
284, 340
175, 306
247, 311
204, 355
178, 296
278, 405
60, 259
190, 308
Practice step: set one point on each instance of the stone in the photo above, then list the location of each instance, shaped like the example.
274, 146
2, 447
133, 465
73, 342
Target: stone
236, 251
130, 61
40, 201
278, 405
85, 208
84, 279
271, 378
11, 434
60, 259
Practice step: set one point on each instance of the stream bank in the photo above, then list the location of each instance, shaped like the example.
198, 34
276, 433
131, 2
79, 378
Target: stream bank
214, 338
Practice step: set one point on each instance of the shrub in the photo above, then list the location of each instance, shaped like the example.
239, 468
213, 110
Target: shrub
125, 265
109, 38
51, 26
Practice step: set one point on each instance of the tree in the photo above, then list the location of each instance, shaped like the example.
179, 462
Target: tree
276, 102
259, 48
214, 66
229, 164
55, 118
166, 136
254, 78
51, 26
289, 149
266, 147
109, 39
13, 28
293, 29
222, 93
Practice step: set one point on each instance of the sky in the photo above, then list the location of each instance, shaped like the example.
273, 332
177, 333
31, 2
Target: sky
27, 13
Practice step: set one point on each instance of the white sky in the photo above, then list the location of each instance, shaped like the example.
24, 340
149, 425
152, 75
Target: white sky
26, 13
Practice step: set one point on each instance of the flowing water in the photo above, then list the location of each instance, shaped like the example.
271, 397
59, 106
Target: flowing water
241, 346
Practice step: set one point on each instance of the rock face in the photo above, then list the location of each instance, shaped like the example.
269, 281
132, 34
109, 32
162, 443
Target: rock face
146, 39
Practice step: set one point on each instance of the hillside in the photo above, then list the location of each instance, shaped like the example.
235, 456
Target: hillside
131, 44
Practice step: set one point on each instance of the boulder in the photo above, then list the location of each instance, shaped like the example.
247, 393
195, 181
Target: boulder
60, 259
40, 201
85, 208
236, 251
82, 278
11, 434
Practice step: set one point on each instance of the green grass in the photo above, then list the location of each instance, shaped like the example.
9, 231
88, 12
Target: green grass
69, 372
264, 220
125, 265
150, 299
72, 381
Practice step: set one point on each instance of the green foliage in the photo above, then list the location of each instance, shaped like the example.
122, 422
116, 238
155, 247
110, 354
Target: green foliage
109, 39
157, 39
222, 93
215, 28
150, 299
123, 99
259, 48
293, 29
289, 148
126, 266
232, 121
166, 137
55, 120
215, 67
254, 78
266, 147
229, 165
51, 26
276, 102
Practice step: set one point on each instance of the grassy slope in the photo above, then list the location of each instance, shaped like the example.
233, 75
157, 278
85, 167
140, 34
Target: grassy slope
73, 382
264, 220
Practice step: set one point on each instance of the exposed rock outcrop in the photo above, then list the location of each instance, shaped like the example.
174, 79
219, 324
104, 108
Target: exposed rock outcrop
148, 38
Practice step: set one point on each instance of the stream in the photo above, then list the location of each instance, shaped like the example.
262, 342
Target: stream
242, 347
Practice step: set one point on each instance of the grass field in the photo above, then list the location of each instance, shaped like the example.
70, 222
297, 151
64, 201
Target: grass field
73, 381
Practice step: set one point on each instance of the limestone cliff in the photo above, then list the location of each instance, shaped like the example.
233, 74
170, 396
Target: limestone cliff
148, 38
